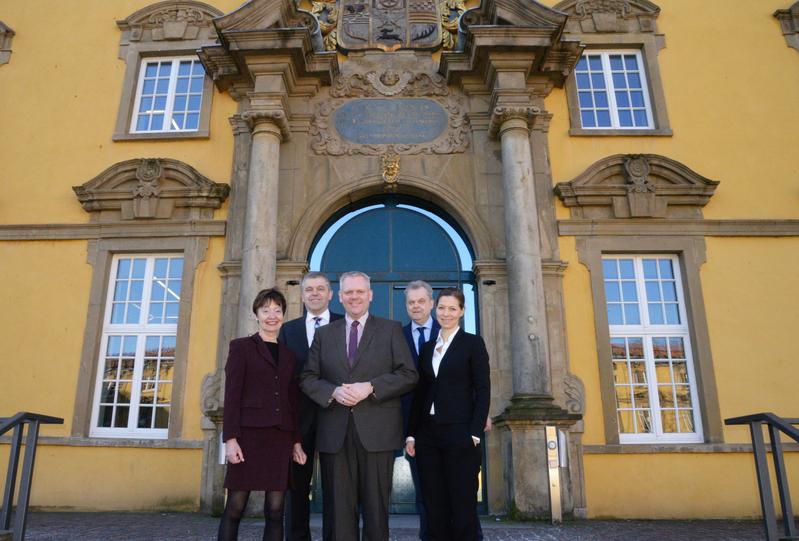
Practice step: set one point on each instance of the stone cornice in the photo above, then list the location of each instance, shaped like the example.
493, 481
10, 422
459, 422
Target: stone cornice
577, 227
789, 23
129, 229
609, 16
168, 22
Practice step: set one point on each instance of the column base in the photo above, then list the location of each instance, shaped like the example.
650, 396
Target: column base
521, 430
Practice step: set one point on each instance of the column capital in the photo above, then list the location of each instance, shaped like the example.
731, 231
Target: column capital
515, 116
269, 120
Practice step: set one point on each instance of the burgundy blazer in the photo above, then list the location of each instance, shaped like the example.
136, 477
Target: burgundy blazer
260, 392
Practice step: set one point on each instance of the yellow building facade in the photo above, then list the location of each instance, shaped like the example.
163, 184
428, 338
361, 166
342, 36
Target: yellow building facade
704, 190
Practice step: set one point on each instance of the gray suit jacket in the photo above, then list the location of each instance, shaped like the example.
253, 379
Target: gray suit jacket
384, 360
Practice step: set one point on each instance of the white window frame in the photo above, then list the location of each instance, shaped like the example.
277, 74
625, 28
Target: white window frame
141, 330
611, 90
170, 98
648, 331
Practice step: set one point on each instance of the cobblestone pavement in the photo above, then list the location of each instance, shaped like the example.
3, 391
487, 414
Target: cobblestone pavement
175, 526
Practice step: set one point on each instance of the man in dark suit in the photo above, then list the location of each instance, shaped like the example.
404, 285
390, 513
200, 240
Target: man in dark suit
357, 370
298, 335
421, 329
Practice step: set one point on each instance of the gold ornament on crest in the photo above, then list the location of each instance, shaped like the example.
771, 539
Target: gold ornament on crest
390, 164
327, 15
451, 11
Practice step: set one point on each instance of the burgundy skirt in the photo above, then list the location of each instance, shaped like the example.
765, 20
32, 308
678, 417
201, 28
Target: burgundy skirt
267, 460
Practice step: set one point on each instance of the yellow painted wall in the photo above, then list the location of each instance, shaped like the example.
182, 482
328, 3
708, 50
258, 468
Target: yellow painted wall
700, 486
730, 83
59, 102
45, 290
114, 479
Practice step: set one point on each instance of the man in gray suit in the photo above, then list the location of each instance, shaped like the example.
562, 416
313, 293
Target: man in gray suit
357, 370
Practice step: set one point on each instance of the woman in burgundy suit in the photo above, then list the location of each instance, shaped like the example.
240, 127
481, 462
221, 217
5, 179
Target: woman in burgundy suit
261, 426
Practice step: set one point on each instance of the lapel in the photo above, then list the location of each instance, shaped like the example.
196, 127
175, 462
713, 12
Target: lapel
454, 345
299, 336
338, 329
366, 337
262, 350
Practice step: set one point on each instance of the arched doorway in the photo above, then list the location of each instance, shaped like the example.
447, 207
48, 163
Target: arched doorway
396, 239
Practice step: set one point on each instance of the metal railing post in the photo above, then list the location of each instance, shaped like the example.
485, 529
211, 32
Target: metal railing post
763, 481
11, 478
21, 515
782, 481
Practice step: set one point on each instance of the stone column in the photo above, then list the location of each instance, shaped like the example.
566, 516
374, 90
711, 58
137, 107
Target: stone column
527, 309
259, 245
521, 426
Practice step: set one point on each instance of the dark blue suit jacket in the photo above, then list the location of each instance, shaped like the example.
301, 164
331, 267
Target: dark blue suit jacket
407, 399
293, 335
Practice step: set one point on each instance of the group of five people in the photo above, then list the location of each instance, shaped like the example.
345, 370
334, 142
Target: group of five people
355, 388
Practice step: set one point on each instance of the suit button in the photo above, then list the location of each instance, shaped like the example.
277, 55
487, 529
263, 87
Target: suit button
277, 409
277, 394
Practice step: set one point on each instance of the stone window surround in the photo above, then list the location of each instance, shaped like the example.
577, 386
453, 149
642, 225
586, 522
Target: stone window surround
648, 47
691, 254
133, 52
615, 26
6, 36
100, 255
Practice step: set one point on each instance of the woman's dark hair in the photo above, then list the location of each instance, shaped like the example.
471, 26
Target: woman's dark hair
452, 292
265, 296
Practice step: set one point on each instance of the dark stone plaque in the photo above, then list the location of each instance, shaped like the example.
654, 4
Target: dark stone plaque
394, 121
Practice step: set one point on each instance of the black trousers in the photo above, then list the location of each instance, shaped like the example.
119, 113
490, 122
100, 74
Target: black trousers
298, 505
449, 463
352, 478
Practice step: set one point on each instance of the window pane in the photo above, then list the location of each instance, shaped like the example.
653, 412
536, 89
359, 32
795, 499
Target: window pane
639, 115
636, 348
625, 119
197, 68
619, 81
643, 421
626, 422
669, 421
161, 418
620, 372
194, 103
595, 61
587, 119
663, 372
176, 267
183, 85
686, 418
623, 396
672, 314
614, 314
652, 291
626, 268
641, 396
622, 100
192, 121
601, 99
615, 62
184, 68
582, 64
631, 316
676, 347
650, 269
666, 396
630, 62
634, 80
665, 268
121, 420
196, 84
638, 371
655, 314
585, 99
669, 291
683, 394
145, 417
609, 268
618, 348
603, 119
637, 99
629, 292
612, 293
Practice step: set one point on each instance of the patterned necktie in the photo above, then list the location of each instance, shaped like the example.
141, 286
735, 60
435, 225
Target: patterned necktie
352, 350
317, 322
420, 342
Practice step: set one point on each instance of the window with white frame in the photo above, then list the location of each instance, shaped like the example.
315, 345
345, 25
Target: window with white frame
650, 345
169, 95
137, 350
612, 90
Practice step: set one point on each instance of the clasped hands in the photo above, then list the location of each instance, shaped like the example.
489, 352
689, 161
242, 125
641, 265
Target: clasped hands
234, 455
349, 394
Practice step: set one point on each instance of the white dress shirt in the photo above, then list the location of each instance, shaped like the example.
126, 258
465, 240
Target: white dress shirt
439, 351
310, 324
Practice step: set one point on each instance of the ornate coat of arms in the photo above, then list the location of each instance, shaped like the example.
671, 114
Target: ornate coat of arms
389, 24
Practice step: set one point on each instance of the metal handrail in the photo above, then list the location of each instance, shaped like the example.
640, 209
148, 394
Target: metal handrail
776, 425
17, 423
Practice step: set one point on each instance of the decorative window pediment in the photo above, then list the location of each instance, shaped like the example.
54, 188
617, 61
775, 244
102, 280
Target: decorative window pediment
158, 33
637, 186
170, 21
6, 35
150, 188
626, 16
789, 22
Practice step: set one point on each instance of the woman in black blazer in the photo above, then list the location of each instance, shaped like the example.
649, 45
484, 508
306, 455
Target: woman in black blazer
449, 411
260, 426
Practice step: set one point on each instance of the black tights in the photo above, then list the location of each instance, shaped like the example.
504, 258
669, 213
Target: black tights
234, 510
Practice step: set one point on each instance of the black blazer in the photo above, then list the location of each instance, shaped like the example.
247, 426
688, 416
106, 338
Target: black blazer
258, 391
293, 334
462, 390
407, 398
